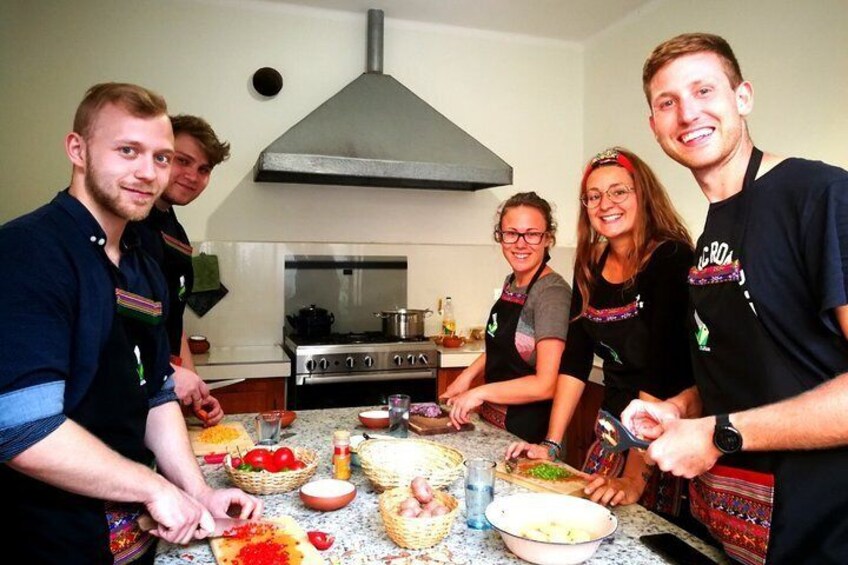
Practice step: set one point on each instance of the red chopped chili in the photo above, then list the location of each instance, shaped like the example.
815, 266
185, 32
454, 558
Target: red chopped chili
262, 553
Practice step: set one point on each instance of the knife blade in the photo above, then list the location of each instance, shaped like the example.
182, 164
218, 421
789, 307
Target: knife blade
222, 528
221, 384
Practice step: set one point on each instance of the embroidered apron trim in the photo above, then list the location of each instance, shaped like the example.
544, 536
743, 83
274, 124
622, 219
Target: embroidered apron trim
736, 506
176, 244
606, 315
126, 539
495, 415
139, 307
513, 296
716, 274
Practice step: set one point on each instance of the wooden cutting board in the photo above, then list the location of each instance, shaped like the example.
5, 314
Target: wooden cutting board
242, 442
573, 486
432, 426
226, 550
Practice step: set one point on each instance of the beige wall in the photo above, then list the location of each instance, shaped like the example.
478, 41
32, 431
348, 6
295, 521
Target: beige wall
794, 53
520, 96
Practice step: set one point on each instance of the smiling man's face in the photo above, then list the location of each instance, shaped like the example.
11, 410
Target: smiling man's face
696, 115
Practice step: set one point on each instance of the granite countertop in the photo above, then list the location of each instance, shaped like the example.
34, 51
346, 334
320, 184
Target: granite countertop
359, 531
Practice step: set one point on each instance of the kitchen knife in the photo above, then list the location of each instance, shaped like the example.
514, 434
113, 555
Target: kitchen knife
222, 527
220, 384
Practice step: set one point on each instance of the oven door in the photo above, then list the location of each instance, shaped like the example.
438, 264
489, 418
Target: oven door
341, 390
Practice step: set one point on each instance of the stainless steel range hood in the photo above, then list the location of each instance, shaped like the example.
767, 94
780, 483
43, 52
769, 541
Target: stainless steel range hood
376, 132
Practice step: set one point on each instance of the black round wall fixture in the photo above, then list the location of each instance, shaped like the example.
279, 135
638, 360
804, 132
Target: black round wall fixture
267, 81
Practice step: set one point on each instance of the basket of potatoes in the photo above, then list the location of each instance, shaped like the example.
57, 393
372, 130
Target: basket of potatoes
417, 516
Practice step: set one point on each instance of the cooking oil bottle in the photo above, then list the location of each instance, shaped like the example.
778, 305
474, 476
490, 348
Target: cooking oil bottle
448, 321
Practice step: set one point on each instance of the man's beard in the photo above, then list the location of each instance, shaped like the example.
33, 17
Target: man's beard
111, 201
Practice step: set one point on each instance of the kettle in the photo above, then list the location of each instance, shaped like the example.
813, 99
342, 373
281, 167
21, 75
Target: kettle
311, 322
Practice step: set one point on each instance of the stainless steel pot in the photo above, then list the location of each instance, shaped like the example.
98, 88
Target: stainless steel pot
403, 323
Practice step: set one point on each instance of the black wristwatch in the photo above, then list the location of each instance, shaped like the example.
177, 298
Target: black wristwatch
725, 437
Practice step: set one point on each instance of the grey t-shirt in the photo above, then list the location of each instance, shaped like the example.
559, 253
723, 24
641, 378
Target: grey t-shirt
545, 314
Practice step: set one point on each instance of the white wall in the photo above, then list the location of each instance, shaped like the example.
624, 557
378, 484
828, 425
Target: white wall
521, 97
794, 53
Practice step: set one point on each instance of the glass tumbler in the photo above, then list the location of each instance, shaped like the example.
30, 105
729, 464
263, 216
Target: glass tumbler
399, 415
479, 492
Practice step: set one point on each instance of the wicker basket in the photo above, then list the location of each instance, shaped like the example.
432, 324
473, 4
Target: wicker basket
415, 533
394, 463
264, 482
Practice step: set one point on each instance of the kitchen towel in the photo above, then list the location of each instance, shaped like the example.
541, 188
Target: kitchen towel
207, 277
201, 302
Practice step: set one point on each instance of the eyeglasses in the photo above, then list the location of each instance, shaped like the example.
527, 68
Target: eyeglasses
530, 237
617, 194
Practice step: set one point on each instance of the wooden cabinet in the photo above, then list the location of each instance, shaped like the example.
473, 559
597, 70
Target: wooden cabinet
448, 375
581, 431
253, 395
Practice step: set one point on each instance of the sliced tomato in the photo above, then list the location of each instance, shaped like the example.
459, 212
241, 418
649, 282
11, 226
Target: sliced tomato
320, 540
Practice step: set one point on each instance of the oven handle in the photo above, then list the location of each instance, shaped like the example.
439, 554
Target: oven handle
364, 377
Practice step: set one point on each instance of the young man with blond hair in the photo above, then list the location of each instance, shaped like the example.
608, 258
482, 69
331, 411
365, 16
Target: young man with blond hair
86, 395
768, 323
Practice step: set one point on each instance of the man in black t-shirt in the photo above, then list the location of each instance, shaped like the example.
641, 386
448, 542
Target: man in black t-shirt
769, 320
197, 150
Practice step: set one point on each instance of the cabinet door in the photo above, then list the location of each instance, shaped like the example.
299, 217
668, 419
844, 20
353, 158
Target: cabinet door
448, 375
253, 395
581, 431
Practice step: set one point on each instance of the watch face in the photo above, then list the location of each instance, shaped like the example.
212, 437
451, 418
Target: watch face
728, 440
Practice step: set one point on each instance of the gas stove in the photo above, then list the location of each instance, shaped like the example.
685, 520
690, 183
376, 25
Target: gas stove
349, 355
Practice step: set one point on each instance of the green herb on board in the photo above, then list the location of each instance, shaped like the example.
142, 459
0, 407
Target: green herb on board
548, 472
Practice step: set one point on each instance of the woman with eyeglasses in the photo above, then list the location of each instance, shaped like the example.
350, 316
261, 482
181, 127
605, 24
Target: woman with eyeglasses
525, 334
633, 256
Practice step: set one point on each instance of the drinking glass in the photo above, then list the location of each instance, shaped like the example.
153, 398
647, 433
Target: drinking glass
268, 426
479, 492
399, 415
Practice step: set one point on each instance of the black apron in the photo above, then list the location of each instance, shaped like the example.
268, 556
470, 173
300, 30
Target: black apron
622, 340
737, 366
504, 362
179, 274
51, 525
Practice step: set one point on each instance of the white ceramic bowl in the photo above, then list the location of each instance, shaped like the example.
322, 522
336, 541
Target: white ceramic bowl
327, 494
510, 515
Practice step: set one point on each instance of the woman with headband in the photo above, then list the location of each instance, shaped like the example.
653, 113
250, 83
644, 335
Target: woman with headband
629, 308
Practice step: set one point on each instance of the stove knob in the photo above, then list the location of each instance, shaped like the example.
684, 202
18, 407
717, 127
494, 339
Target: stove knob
423, 359
397, 360
349, 362
369, 362
310, 365
410, 359
323, 364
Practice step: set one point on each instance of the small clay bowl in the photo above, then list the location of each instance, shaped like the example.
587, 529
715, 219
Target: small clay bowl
374, 419
287, 417
452, 341
327, 495
198, 344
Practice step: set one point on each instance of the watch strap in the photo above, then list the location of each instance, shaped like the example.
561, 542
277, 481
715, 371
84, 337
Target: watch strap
554, 448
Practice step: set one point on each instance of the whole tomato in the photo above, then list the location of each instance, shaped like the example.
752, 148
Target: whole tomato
258, 458
297, 464
284, 457
320, 540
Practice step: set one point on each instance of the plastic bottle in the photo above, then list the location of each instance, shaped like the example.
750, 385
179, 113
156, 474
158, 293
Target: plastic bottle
341, 454
448, 321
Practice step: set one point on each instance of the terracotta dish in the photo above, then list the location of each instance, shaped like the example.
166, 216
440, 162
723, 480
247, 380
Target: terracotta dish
452, 341
327, 494
286, 418
374, 419
198, 344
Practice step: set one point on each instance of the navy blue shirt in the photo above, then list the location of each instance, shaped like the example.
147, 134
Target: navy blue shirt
57, 299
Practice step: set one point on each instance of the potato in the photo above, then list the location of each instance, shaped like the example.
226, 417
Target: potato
410, 503
422, 490
425, 514
408, 512
440, 510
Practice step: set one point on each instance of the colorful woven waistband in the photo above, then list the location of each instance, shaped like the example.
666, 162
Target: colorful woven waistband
607, 315
177, 245
716, 274
137, 306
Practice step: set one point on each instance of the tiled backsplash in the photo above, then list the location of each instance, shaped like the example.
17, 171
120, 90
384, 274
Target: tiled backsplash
253, 312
